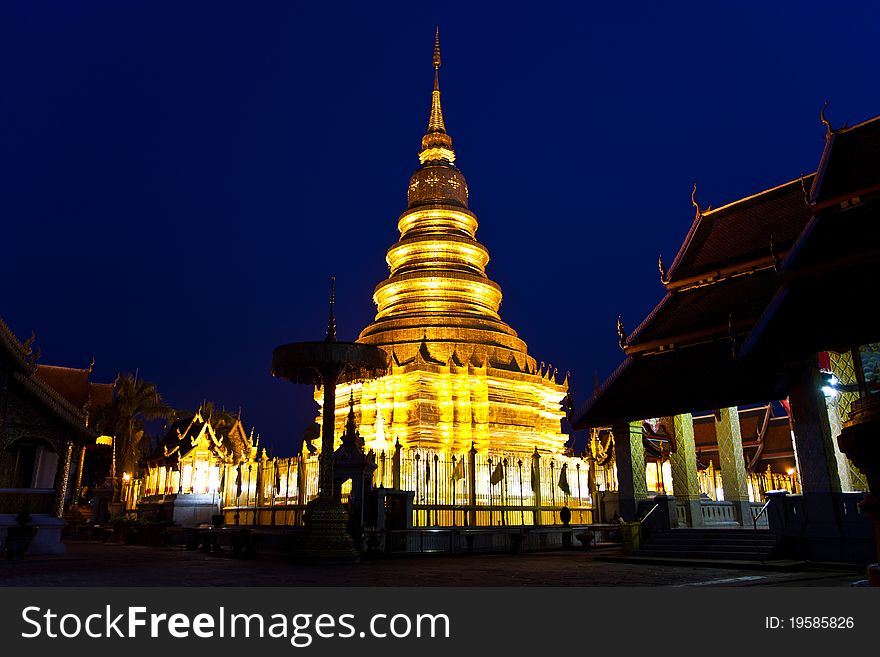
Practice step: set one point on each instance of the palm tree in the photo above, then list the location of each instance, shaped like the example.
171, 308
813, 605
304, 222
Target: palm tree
135, 402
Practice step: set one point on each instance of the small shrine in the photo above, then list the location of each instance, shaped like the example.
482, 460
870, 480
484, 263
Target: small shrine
184, 474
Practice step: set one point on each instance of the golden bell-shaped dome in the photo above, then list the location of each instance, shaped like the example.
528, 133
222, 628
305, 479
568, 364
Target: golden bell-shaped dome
459, 377
438, 289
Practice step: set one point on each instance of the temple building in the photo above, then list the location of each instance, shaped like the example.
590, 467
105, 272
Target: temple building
761, 308
185, 473
45, 414
459, 374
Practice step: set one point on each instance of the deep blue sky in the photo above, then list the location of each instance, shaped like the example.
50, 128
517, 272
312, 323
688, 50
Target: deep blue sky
179, 180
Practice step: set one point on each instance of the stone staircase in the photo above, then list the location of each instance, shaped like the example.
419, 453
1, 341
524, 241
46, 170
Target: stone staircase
711, 544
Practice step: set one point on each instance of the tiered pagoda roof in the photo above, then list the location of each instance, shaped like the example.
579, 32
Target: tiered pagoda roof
754, 286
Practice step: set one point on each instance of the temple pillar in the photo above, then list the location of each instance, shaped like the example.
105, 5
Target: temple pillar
812, 433
629, 453
817, 463
683, 463
733, 468
62, 477
80, 466
842, 367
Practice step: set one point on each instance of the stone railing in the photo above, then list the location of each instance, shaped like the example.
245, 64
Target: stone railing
681, 515
718, 514
762, 522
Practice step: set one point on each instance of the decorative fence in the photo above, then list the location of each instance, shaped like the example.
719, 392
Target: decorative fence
758, 483
449, 490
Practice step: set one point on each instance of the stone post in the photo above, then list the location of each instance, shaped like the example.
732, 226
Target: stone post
683, 463
733, 468
629, 453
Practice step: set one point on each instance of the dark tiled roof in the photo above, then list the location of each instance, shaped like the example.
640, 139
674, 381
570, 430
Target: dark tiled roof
701, 376
180, 434
851, 162
70, 382
74, 386
100, 395
826, 302
742, 231
828, 298
681, 315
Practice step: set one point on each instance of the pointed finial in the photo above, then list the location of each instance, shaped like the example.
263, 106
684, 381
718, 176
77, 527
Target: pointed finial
350, 422
828, 129
695, 203
621, 333
435, 122
662, 269
331, 322
436, 144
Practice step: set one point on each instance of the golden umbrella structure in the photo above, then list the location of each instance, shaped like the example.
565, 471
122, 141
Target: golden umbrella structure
327, 364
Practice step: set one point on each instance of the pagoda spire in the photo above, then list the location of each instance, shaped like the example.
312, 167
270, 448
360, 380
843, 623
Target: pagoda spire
436, 144
435, 122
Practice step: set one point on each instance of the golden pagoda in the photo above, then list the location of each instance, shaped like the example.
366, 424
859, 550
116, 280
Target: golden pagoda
459, 374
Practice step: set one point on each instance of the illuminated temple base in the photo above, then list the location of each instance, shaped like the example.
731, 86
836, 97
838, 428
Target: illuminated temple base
427, 403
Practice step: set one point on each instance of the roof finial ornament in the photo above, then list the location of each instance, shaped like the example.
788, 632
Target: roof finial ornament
331, 322
621, 333
828, 129
27, 344
695, 202
662, 269
436, 126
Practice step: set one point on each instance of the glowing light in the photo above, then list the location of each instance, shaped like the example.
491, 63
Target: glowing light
829, 391
104, 440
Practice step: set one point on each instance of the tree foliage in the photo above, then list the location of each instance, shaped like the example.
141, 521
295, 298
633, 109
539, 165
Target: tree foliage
135, 402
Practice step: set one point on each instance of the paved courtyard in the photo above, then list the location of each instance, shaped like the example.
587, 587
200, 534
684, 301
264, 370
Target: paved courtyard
109, 564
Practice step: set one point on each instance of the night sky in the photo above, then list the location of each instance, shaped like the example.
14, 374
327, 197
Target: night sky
179, 180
